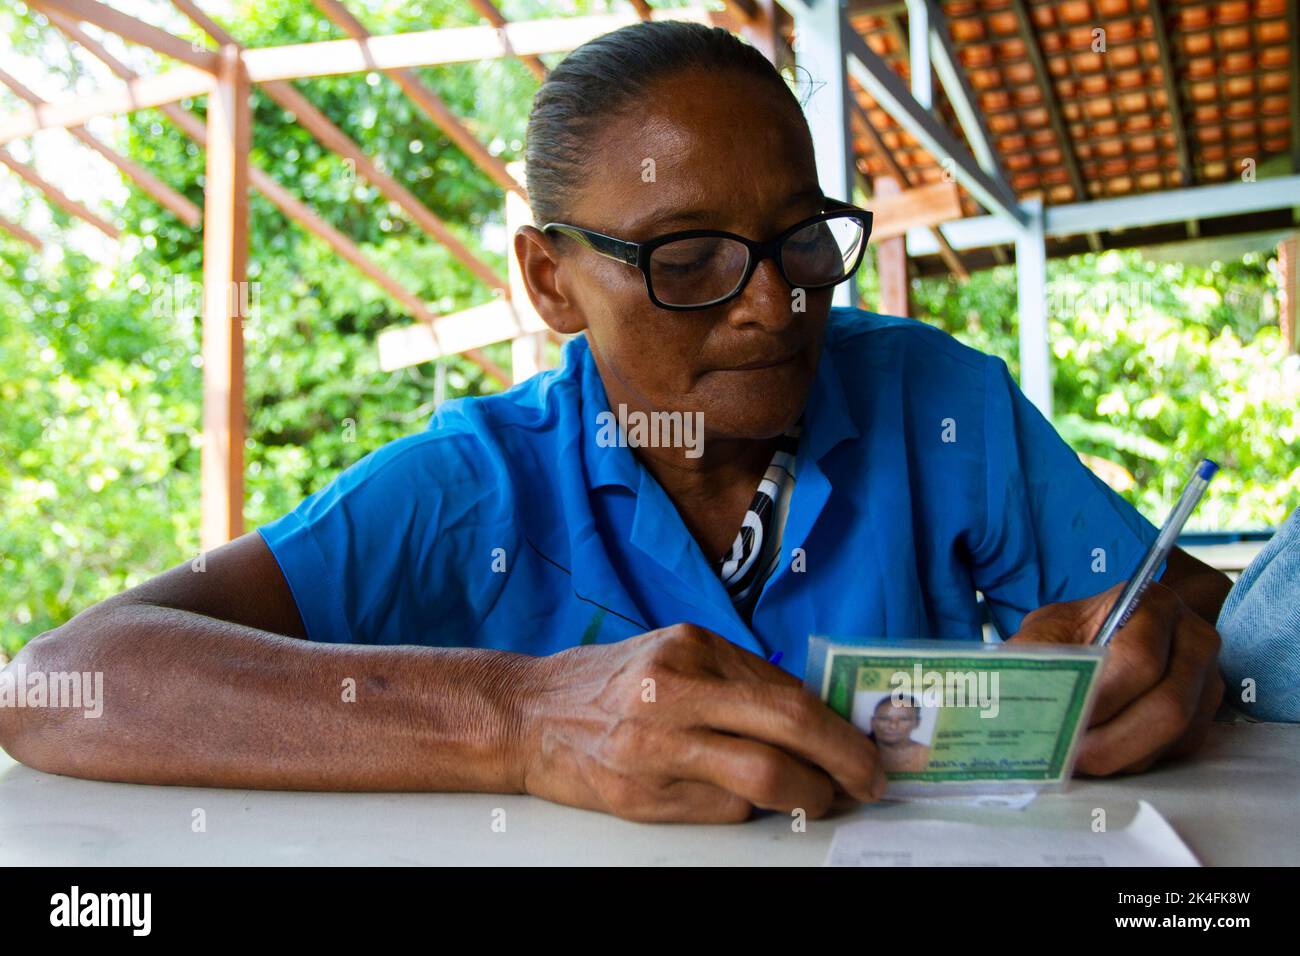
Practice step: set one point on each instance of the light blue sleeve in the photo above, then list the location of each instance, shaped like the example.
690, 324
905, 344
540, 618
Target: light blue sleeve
1053, 530
1260, 627
396, 549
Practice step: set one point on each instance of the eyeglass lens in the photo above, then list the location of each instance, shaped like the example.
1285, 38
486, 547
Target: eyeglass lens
704, 269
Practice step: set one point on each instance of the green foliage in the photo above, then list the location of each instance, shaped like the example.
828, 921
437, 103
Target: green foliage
1155, 366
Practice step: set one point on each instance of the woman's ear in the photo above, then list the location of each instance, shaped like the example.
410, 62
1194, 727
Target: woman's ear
542, 271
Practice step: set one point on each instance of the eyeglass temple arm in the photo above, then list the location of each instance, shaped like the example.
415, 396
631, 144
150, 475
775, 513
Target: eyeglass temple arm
598, 242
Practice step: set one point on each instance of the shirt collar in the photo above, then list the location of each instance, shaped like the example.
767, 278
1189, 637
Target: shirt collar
826, 421
613, 465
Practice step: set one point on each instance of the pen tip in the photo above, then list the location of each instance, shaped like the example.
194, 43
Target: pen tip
1207, 468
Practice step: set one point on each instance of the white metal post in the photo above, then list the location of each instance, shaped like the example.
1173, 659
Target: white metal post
819, 48
1031, 285
918, 41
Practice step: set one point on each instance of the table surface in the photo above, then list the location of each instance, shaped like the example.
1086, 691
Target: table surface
1236, 803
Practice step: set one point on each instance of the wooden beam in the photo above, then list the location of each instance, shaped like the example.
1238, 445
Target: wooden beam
306, 217
320, 126
891, 260
292, 208
1052, 103
956, 85
1288, 261
876, 8
495, 321
139, 93
946, 252
488, 10
129, 28
1155, 9
920, 207
185, 210
225, 261
429, 103
449, 45
18, 232
57, 196
987, 161
1293, 57
888, 89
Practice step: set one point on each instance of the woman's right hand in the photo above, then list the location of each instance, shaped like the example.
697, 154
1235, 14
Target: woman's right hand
681, 725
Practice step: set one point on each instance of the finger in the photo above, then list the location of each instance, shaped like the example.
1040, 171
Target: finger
1192, 738
738, 662
720, 657
694, 649
1138, 655
1158, 719
756, 772
797, 722
1211, 700
692, 801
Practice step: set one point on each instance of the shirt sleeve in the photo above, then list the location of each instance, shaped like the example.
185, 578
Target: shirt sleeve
389, 551
1053, 530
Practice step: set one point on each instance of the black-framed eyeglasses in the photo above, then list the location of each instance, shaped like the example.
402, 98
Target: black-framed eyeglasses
699, 268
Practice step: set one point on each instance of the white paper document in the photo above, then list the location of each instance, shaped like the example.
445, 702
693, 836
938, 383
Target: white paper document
924, 838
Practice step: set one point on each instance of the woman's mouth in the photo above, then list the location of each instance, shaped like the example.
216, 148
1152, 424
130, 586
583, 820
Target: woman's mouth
765, 363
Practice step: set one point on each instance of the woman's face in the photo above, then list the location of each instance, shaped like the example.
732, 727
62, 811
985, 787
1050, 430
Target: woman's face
891, 724
707, 151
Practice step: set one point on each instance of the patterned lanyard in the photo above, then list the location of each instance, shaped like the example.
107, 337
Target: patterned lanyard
757, 547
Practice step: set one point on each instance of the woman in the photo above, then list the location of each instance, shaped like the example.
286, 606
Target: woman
892, 726
516, 600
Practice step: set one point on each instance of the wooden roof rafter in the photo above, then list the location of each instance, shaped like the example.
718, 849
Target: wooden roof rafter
319, 125
1052, 103
18, 232
72, 207
134, 30
488, 10
858, 115
139, 93
185, 210
293, 208
419, 93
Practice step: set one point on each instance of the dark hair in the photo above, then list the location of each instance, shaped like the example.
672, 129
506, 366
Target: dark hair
605, 76
913, 704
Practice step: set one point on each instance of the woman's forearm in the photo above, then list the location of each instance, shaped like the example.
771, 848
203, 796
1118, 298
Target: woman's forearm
192, 700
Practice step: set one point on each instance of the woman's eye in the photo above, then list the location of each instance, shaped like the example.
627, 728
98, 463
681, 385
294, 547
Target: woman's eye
688, 265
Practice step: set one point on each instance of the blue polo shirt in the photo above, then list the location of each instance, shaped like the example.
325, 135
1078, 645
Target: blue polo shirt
923, 475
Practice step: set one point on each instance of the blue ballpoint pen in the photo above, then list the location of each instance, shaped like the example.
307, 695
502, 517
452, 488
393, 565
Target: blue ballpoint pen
1157, 553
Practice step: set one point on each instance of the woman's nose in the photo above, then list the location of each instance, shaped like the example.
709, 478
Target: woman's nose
768, 300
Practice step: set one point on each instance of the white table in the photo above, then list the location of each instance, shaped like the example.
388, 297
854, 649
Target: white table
1237, 802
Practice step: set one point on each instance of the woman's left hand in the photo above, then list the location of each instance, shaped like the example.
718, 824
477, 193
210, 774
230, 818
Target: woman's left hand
1160, 685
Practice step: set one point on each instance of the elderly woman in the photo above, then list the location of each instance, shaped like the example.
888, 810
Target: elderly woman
573, 589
